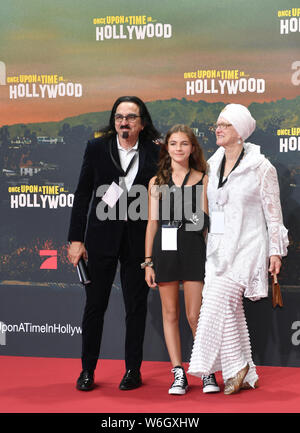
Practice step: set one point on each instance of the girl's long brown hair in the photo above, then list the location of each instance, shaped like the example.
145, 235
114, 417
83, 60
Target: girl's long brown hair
196, 159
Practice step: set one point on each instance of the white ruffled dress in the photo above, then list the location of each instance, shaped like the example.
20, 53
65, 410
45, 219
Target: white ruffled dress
237, 262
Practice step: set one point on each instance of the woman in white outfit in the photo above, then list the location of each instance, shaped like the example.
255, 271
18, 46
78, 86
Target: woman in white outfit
247, 238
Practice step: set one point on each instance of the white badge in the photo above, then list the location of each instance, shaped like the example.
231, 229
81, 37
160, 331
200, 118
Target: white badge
112, 194
169, 238
217, 222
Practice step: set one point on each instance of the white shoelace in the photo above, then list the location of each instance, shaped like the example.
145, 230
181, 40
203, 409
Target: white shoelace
209, 380
178, 376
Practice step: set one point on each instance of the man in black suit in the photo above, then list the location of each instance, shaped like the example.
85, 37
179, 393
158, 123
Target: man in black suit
124, 155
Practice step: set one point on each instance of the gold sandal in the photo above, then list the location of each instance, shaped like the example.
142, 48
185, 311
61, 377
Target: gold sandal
234, 384
246, 385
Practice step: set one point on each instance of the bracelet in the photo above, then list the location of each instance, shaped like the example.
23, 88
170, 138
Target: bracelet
144, 264
149, 257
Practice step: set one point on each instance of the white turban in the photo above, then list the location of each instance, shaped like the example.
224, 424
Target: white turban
240, 117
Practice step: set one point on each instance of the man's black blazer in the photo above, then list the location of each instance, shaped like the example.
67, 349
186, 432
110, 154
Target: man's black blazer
98, 168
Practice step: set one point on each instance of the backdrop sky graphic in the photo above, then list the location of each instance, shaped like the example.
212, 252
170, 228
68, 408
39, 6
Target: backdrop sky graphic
58, 37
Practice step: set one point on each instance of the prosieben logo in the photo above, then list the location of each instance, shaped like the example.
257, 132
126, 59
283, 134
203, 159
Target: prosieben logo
51, 262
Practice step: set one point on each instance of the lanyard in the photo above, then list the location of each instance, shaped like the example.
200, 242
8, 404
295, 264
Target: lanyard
124, 173
176, 222
184, 180
221, 181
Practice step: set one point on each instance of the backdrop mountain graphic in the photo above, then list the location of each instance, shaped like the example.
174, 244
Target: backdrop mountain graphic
51, 153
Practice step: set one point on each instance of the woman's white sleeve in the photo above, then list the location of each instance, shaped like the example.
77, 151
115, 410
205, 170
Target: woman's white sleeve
270, 196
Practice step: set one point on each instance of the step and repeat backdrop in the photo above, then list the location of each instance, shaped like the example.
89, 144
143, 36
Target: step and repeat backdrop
62, 65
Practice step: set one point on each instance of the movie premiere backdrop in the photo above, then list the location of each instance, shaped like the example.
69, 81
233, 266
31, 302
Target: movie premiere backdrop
62, 65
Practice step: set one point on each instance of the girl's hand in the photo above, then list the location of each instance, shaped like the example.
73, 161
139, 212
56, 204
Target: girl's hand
150, 277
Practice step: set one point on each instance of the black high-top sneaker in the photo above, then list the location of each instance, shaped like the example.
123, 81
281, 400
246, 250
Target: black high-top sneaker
210, 384
180, 384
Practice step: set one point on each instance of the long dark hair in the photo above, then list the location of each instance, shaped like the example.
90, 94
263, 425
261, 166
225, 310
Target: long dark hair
196, 159
149, 131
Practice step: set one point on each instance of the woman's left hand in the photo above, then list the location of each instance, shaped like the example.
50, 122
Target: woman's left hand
275, 264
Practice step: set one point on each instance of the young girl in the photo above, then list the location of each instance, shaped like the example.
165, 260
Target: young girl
175, 246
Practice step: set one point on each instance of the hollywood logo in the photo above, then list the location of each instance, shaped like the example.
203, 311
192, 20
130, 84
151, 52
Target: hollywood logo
51, 261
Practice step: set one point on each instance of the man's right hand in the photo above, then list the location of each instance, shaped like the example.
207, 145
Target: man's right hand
76, 251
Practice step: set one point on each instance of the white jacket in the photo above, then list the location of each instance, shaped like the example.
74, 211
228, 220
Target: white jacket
254, 229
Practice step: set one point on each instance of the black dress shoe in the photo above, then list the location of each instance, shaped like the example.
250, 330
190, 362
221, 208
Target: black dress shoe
85, 381
132, 379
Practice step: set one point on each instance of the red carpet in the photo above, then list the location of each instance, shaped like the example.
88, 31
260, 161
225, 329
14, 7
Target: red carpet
46, 385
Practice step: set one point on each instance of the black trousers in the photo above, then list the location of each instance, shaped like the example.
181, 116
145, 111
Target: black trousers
135, 292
